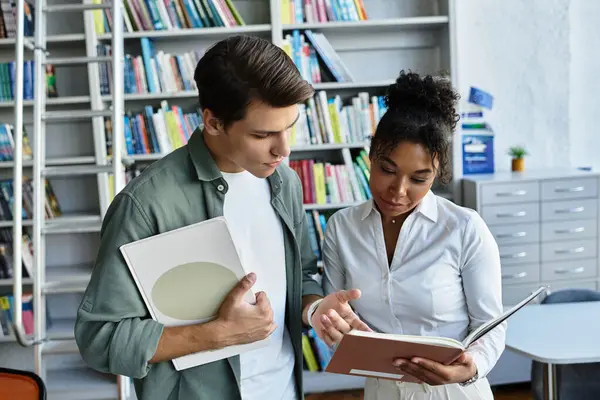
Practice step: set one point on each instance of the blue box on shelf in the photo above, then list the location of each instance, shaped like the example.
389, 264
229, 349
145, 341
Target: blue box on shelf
478, 151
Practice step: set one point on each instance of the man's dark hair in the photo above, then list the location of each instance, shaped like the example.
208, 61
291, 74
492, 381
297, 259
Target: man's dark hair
421, 110
240, 69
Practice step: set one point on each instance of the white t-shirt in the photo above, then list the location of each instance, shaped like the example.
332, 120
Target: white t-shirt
268, 372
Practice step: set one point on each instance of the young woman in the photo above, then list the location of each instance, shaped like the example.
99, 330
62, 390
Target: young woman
423, 265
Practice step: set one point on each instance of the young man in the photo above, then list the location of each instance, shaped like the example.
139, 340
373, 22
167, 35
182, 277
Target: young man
248, 92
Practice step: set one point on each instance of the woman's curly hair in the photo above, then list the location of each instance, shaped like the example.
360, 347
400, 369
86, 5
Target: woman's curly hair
421, 111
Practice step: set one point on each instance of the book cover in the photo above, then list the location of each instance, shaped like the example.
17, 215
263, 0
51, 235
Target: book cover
371, 354
184, 275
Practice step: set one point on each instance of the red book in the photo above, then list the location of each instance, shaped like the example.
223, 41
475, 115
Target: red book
372, 354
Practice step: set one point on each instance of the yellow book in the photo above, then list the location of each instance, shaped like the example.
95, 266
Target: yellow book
335, 123
309, 355
235, 13
173, 129
363, 167
98, 18
320, 188
285, 11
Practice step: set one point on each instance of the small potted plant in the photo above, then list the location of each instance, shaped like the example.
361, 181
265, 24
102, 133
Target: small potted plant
518, 154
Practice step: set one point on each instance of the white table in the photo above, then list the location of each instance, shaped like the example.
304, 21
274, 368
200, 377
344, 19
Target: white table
556, 334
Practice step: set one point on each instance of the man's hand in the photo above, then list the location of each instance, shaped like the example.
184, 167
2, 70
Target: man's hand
434, 373
243, 322
334, 317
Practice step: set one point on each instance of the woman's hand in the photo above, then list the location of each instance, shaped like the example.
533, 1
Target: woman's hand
434, 373
334, 317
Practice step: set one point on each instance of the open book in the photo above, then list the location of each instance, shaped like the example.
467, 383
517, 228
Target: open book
371, 354
184, 275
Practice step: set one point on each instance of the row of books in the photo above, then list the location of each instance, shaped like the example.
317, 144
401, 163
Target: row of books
7, 143
326, 183
316, 352
158, 15
326, 119
8, 18
6, 315
317, 222
315, 57
152, 71
7, 80
311, 11
6, 255
155, 131
51, 206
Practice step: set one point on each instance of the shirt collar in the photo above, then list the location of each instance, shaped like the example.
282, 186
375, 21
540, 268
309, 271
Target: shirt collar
204, 164
206, 168
427, 207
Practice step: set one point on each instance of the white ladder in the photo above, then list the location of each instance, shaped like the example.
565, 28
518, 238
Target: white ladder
41, 343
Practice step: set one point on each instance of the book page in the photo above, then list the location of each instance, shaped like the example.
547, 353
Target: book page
431, 340
488, 326
184, 275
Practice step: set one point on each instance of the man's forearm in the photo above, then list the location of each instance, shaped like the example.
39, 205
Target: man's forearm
306, 302
178, 341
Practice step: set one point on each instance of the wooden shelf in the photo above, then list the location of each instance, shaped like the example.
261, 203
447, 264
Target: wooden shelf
329, 206
328, 146
191, 33
66, 40
53, 101
433, 22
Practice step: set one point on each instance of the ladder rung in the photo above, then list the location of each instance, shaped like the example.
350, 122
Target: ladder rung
76, 60
76, 7
64, 290
75, 114
72, 170
60, 347
70, 228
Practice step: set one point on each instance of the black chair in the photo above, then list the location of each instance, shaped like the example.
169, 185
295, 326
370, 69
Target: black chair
21, 385
573, 381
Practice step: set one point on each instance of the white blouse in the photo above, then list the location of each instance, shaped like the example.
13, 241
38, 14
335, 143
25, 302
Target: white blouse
444, 279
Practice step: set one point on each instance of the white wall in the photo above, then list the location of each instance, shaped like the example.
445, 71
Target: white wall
538, 59
584, 107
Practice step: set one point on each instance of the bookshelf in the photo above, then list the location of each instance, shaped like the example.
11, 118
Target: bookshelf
407, 34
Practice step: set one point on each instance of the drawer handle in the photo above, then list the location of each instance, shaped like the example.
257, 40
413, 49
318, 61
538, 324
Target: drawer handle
574, 230
569, 210
570, 190
511, 235
570, 251
563, 271
519, 275
515, 193
512, 215
515, 255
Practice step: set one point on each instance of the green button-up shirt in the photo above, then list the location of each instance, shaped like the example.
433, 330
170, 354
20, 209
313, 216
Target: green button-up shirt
114, 330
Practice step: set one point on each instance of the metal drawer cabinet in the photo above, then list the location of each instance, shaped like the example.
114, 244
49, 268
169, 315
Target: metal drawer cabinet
569, 230
508, 193
562, 189
565, 210
516, 233
511, 213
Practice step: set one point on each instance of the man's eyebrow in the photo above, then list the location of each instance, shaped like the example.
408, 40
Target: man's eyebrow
274, 132
424, 171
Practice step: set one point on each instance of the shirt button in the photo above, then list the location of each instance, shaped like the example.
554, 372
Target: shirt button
220, 188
